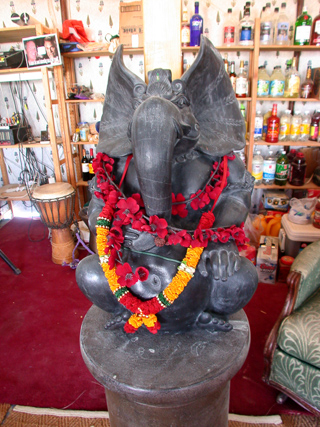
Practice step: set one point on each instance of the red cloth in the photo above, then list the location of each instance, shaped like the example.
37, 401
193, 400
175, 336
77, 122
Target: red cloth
74, 31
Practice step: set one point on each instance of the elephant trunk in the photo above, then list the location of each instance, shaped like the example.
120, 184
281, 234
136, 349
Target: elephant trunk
154, 134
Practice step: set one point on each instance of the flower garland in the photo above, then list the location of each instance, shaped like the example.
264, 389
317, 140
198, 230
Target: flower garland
119, 211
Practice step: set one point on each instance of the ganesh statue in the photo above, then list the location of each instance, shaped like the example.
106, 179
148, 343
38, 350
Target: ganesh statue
169, 201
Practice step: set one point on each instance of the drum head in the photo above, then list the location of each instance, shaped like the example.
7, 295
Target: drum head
53, 191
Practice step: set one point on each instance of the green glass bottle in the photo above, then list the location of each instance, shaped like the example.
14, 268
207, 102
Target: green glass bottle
282, 169
303, 29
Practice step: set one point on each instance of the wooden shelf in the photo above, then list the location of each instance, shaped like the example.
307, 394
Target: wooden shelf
82, 183
289, 48
16, 34
289, 143
84, 143
83, 101
265, 98
309, 185
97, 53
220, 48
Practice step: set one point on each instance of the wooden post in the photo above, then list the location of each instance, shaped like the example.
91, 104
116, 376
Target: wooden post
162, 44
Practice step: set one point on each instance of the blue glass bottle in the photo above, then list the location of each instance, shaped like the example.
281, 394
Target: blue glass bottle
196, 26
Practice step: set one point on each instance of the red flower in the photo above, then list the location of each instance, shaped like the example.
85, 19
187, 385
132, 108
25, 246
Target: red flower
139, 224
158, 226
129, 329
115, 238
137, 197
155, 328
112, 258
200, 200
179, 208
127, 210
223, 235
126, 276
174, 239
186, 238
142, 273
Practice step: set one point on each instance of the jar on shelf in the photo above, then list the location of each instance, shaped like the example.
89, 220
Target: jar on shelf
84, 131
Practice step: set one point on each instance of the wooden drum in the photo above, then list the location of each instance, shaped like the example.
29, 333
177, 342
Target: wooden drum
55, 203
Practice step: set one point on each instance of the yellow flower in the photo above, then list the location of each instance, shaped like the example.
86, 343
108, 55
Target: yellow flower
150, 320
136, 321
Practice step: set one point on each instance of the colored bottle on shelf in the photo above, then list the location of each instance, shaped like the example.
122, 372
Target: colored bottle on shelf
269, 169
291, 155
277, 82
243, 113
295, 126
315, 31
285, 124
265, 123
246, 29
91, 158
292, 83
85, 166
282, 169
185, 28
226, 63
257, 168
263, 82
232, 75
241, 82
266, 26
314, 126
305, 126
229, 30
316, 218
298, 169
303, 29
282, 26
196, 26
273, 126
306, 90
258, 125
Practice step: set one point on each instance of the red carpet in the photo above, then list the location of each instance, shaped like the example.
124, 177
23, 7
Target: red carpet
40, 319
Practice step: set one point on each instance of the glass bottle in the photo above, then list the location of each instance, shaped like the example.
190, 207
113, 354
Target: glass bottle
265, 123
282, 27
185, 28
258, 125
291, 155
84, 131
269, 169
246, 29
295, 126
305, 126
266, 26
263, 82
257, 164
316, 218
314, 126
241, 82
302, 29
229, 30
277, 82
85, 166
273, 125
292, 83
196, 26
298, 169
91, 158
315, 31
306, 89
243, 113
285, 124
226, 63
232, 75
282, 169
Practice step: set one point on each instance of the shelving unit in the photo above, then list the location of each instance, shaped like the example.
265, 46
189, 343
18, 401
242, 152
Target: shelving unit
14, 35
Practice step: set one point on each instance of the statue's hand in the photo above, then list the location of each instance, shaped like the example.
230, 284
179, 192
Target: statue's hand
222, 261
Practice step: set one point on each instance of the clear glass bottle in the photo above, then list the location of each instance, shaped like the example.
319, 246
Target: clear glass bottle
243, 113
277, 82
241, 82
263, 82
303, 29
305, 126
258, 125
295, 126
257, 165
246, 29
232, 75
229, 30
196, 26
315, 31
306, 89
185, 27
292, 83
226, 62
285, 124
266, 26
269, 169
282, 27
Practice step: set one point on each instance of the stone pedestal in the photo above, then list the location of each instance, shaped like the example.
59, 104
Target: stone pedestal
176, 380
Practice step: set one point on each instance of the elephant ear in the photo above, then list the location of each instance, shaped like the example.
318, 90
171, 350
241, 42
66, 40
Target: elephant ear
213, 102
118, 109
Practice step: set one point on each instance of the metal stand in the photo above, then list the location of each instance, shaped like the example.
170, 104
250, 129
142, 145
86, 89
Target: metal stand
10, 264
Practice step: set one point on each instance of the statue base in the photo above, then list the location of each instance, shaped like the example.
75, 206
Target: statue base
179, 380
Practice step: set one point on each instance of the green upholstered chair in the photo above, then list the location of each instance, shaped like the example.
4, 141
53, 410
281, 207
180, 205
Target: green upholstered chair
292, 351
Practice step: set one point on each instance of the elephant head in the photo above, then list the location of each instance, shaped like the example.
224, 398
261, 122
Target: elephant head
165, 119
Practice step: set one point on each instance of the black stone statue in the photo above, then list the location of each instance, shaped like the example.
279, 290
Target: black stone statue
172, 143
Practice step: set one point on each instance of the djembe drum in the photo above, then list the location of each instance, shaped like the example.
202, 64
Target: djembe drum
55, 204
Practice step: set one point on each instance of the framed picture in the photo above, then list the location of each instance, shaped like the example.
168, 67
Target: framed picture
42, 51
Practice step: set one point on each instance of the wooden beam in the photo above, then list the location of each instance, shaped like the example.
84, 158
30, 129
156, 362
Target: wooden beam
162, 44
